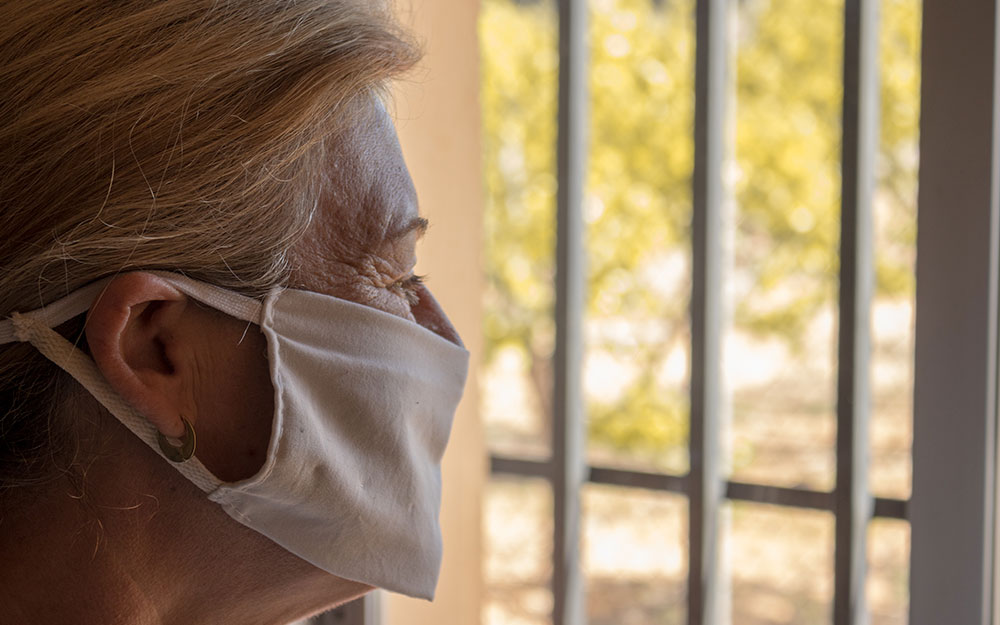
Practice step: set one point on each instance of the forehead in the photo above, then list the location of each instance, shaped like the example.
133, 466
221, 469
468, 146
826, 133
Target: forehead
367, 194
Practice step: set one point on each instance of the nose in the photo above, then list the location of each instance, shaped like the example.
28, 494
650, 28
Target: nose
429, 314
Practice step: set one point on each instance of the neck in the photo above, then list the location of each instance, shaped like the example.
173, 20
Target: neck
141, 545
64, 561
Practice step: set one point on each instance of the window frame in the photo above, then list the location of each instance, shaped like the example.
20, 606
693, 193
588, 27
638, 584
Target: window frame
955, 377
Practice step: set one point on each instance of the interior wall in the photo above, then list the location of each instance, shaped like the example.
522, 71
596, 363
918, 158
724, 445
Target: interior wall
437, 111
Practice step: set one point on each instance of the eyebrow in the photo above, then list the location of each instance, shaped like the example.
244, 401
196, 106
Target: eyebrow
417, 224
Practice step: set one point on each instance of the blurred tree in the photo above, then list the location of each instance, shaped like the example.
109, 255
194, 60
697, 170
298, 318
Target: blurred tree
786, 184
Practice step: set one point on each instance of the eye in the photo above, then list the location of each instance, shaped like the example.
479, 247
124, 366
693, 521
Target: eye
409, 288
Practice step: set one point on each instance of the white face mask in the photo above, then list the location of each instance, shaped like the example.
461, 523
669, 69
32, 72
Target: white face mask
363, 401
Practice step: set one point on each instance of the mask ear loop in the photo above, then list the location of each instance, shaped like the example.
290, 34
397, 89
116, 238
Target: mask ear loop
184, 451
73, 361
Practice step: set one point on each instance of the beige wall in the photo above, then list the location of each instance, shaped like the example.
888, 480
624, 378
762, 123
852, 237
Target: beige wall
438, 121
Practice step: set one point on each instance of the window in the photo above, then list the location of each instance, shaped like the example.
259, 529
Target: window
702, 221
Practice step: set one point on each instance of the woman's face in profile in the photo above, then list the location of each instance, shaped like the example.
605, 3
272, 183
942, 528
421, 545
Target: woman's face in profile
361, 245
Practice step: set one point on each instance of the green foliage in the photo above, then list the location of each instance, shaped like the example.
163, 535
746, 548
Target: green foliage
654, 422
786, 184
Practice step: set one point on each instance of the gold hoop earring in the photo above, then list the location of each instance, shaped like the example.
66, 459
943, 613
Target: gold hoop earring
182, 452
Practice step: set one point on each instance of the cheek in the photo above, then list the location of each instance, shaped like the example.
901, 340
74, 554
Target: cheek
362, 282
380, 298
236, 405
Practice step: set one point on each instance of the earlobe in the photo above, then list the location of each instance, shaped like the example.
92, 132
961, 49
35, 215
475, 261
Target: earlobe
130, 330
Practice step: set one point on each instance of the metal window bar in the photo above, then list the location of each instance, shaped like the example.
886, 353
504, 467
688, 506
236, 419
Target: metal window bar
705, 482
882, 507
568, 461
854, 504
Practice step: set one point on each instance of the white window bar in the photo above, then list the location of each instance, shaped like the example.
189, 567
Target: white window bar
955, 412
705, 481
568, 436
857, 274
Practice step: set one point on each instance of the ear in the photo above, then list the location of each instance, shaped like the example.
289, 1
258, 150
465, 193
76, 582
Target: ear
131, 333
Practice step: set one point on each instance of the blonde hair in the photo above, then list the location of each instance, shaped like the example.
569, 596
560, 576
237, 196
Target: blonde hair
185, 135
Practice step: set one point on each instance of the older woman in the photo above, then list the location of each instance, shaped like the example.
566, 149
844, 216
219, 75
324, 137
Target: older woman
224, 394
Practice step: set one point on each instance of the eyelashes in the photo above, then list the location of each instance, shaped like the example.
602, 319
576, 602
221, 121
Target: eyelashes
409, 288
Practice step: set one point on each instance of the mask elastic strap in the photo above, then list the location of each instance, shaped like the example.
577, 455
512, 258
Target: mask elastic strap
35, 327
58, 312
233, 304
74, 362
79, 301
